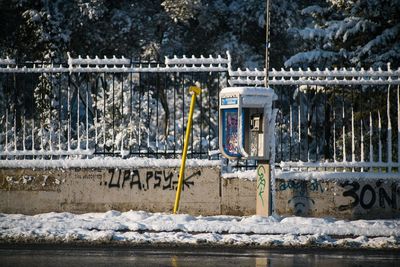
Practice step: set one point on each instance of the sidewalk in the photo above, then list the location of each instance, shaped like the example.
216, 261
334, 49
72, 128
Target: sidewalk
143, 228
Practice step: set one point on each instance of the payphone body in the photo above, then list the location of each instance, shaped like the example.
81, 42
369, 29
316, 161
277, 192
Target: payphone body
245, 115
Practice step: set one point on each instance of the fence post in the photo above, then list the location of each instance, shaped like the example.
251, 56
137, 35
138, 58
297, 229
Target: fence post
264, 194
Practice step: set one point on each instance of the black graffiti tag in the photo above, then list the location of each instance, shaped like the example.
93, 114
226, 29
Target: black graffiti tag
186, 181
163, 180
135, 179
111, 183
367, 195
352, 192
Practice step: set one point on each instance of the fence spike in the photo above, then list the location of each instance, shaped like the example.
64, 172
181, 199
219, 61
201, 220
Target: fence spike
398, 124
6, 143
344, 135
371, 133
299, 123
362, 142
379, 136
389, 131
353, 143
334, 135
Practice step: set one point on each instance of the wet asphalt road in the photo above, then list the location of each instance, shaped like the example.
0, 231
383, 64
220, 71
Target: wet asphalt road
54, 255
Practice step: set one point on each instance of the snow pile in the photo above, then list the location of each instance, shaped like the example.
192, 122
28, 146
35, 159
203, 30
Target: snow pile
136, 227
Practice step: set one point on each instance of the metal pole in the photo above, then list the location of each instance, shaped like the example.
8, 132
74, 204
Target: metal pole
264, 194
266, 82
196, 91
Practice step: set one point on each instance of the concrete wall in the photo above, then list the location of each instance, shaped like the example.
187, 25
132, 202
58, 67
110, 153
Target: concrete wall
94, 190
347, 199
238, 197
204, 192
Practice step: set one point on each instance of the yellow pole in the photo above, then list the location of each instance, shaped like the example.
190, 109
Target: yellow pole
195, 92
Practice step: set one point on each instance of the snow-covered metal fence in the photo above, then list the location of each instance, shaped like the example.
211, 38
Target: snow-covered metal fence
107, 106
335, 120
118, 65
339, 119
353, 128
325, 77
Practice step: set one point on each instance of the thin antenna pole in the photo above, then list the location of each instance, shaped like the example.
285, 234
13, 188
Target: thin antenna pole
266, 82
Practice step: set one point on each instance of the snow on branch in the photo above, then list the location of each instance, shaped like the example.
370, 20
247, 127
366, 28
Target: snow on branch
310, 57
386, 37
314, 10
7, 61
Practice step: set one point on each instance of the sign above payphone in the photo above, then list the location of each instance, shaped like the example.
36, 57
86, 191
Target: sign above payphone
245, 122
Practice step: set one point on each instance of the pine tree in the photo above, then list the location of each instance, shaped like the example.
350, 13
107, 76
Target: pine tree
350, 33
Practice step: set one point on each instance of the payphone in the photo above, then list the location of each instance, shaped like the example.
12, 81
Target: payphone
245, 116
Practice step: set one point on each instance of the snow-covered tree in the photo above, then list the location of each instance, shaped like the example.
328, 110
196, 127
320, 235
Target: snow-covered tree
349, 33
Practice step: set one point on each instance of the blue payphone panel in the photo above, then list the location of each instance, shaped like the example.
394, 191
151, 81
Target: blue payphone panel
230, 132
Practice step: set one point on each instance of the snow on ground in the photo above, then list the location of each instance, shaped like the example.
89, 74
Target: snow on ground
139, 227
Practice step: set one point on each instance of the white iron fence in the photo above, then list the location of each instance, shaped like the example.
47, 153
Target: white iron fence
339, 119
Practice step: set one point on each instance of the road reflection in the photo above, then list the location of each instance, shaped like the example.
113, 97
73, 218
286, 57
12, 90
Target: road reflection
40, 255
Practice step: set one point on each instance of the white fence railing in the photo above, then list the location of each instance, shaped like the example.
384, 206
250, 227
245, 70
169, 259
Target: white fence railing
119, 65
343, 76
332, 119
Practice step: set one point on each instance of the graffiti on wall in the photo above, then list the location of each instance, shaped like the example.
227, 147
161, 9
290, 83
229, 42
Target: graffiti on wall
313, 185
261, 183
152, 179
301, 203
369, 195
305, 197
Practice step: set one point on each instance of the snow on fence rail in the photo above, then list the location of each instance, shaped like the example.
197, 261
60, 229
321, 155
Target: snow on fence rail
317, 77
343, 76
339, 119
119, 65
